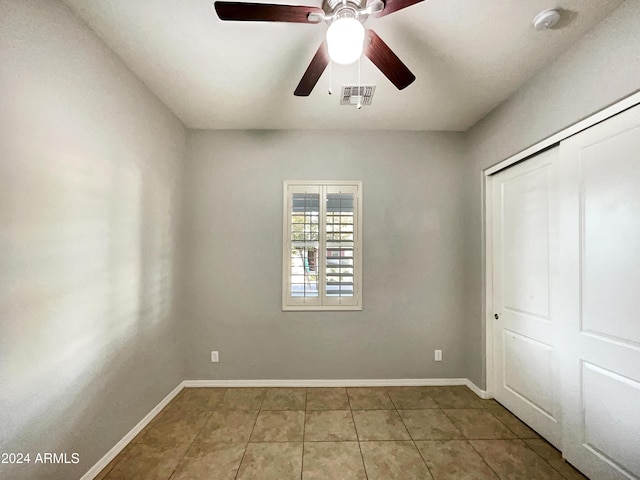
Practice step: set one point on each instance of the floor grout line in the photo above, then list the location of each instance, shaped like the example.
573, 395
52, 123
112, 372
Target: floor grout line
540, 456
355, 427
411, 437
483, 459
208, 412
304, 431
190, 445
250, 433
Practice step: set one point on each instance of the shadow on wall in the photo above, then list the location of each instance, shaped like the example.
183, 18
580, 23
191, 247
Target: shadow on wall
88, 268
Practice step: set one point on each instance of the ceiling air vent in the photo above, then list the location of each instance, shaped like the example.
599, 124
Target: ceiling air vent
351, 94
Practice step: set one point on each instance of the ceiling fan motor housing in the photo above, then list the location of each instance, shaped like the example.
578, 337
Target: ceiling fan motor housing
332, 5
345, 9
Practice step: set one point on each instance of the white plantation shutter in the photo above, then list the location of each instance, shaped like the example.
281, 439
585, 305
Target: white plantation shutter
322, 246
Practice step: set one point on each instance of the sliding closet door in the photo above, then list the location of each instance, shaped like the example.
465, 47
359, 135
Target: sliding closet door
525, 358
599, 297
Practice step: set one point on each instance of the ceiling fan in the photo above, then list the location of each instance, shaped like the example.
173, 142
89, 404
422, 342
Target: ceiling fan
346, 37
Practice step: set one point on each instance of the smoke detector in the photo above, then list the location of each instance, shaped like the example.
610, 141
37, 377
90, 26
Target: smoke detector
546, 19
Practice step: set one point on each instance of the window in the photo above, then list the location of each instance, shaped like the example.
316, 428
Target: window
322, 256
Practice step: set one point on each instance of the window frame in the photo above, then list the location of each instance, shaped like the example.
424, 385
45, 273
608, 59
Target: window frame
322, 302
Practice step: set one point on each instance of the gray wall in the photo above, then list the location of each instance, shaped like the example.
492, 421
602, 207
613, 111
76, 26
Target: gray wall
89, 167
90, 175
601, 69
413, 256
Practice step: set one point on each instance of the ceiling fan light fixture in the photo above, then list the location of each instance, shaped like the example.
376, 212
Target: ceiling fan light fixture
345, 40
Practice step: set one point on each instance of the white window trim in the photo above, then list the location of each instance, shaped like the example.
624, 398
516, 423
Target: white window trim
322, 302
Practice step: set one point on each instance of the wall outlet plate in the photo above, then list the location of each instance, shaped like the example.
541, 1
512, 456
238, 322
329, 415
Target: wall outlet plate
214, 357
438, 355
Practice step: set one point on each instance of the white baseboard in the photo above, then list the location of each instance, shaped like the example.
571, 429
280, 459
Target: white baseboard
375, 382
386, 382
475, 389
382, 382
111, 454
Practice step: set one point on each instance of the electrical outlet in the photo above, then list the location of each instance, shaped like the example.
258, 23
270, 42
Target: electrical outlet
214, 357
438, 355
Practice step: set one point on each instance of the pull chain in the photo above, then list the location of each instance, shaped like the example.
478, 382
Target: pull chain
330, 80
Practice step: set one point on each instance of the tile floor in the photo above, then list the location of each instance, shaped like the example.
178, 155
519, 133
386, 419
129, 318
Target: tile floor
337, 434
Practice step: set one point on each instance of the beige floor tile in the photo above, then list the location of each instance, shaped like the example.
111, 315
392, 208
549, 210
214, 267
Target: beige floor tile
228, 427
148, 462
210, 461
327, 399
149, 426
412, 397
175, 427
455, 397
278, 426
513, 460
454, 460
488, 402
332, 461
103, 473
257, 433
512, 422
478, 424
393, 461
369, 399
379, 425
271, 461
430, 424
554, 458
329, 425
246, 399
198, 399
285, 399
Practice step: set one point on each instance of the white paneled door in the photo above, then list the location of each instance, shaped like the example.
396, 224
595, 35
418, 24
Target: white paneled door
526, 364
599, 297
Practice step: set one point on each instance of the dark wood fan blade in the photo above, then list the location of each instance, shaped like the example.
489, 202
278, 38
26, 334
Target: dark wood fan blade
311, 76
391, 6
387, 61
265, 12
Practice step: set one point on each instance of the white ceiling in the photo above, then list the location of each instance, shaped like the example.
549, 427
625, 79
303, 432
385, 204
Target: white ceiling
468, 56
